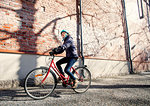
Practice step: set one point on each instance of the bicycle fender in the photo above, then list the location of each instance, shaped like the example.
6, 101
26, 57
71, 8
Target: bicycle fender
44, 67
83, 66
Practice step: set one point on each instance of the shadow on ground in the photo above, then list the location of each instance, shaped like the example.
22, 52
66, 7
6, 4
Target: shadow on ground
20, 95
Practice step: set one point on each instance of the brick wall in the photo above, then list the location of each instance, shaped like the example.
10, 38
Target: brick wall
103, 30
33, 26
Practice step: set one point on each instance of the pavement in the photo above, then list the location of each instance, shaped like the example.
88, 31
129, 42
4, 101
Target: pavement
128, 90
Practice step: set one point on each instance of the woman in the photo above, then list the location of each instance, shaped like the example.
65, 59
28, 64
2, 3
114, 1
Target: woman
71, 56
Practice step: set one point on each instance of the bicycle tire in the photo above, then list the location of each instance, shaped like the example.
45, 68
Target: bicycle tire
33, 86
83, 76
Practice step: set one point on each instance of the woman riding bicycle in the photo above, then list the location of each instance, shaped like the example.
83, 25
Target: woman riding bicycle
71, 56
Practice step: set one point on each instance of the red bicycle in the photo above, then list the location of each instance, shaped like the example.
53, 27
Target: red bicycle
41, 82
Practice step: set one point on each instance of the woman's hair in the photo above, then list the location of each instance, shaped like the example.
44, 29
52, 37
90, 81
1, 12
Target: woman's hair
66, 32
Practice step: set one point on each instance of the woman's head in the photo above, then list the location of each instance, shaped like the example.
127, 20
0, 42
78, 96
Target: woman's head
64, 33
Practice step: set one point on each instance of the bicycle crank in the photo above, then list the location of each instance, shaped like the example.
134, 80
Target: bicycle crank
64, 85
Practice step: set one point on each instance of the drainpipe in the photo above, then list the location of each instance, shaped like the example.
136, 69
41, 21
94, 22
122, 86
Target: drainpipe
127, 34
81, 33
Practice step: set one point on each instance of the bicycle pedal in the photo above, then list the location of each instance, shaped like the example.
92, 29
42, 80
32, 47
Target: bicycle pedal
64, 84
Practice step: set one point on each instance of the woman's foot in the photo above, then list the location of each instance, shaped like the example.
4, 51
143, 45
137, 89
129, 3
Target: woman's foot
75, 83
58, 80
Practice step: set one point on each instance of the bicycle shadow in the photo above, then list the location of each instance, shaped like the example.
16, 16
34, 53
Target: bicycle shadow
19, 94
13, 95
60, 90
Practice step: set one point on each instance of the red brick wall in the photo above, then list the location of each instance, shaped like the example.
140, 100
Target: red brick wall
31, 26
17, 26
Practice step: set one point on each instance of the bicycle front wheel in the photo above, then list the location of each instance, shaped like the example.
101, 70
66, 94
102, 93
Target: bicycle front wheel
83, 76
34, 86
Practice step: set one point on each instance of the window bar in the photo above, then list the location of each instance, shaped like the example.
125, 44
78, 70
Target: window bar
148, 10
140, 8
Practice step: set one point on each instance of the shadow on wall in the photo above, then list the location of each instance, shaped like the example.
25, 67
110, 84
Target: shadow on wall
25, 36
29, 45
143, 61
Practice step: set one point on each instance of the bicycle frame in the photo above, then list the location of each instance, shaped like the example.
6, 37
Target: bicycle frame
44, 78
53, 66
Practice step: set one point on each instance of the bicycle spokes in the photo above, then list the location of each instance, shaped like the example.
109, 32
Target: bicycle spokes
84, 78
38, 88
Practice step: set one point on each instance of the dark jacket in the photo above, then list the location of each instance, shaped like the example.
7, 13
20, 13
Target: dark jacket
69, 46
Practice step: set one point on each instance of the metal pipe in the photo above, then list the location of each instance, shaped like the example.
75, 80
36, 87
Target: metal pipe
148, 16
127, 33
140, 9
81, 32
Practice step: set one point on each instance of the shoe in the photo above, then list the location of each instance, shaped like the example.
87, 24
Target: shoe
75, 84
59, 79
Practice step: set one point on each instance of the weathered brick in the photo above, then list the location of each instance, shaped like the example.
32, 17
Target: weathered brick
35, 25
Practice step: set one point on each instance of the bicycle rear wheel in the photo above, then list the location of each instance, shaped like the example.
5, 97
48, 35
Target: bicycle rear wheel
34, 86
83, 76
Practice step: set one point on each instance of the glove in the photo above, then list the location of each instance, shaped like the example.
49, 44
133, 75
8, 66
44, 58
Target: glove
51, 53
58, 50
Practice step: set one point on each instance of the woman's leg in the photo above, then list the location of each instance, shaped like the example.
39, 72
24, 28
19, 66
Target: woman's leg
68, 66
60, 62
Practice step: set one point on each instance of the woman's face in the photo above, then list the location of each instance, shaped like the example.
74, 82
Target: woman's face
63, 34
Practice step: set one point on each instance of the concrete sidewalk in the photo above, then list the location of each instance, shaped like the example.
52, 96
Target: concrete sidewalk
116, 91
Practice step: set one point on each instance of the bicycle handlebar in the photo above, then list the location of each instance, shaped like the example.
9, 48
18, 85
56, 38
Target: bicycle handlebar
51, 53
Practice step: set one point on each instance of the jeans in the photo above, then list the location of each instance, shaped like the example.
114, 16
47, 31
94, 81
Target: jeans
70, 61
